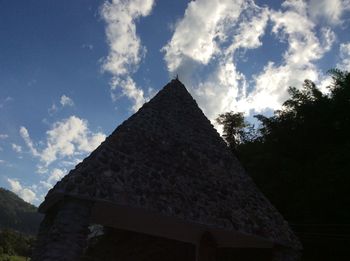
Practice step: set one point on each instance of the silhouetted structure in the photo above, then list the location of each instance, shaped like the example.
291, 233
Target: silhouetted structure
164, 172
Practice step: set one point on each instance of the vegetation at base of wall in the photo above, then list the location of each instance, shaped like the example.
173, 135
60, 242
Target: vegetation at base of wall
17, 214
14, 244
13, 258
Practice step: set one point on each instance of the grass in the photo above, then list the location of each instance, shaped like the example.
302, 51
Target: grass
12, 258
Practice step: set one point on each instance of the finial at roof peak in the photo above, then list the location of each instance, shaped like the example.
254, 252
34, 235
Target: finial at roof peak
176, 79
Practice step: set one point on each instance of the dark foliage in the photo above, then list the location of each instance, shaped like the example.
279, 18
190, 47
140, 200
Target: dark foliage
17, 214
15, 243
301, 159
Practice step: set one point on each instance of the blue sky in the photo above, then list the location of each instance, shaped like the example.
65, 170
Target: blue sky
72, 71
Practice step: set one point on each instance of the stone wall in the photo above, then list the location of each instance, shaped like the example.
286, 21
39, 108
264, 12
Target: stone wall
63, 232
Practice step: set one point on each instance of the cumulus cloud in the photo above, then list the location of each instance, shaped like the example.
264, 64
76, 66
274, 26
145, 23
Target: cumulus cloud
212, 32
66, 138
198, 34
250, 30
304, 47
125, 49
66, 101
229, 26
24, 192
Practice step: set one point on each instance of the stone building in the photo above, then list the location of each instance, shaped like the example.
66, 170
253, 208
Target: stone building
164, 175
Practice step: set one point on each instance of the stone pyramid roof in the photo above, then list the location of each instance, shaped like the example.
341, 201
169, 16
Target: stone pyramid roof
168, 159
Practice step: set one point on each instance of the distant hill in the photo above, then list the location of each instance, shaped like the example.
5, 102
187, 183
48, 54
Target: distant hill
17, 214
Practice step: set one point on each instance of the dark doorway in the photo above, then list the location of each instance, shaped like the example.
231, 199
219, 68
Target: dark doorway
122, 245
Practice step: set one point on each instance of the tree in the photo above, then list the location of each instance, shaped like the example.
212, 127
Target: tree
301, 162
15, 243
235, 129
301, 159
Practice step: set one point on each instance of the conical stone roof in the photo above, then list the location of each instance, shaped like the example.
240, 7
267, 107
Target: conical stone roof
167, 158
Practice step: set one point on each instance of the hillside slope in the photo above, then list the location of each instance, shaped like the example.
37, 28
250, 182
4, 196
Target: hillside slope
17, 214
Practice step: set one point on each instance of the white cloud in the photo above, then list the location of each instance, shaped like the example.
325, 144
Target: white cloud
343, 63
2, 161
329, 10
344, 53
250, 29
25, 135
272, 85
294, 26
66, 101
16, 148
125, 49
55, 175
130, 90
66, 138
209, 36
304, 47
3, 136
24, 192
198, 34
218, 93
229, 26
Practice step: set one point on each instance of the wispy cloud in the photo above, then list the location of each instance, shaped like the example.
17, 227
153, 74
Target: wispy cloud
54, 176
293, 26
125, 49
330, 11
3, 102
88, 46
16, 148
66, 138
66, 101
344, 56
3, 136
25, 135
